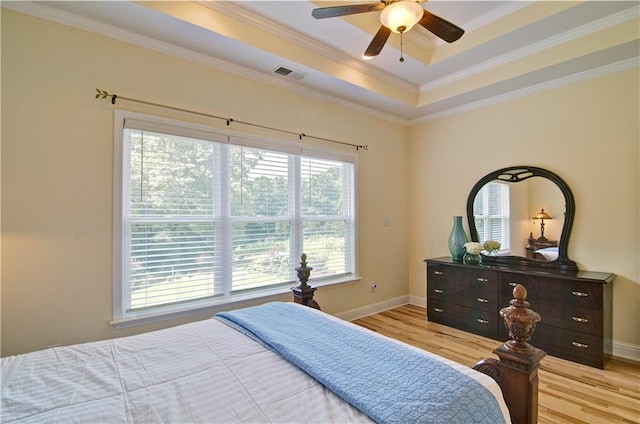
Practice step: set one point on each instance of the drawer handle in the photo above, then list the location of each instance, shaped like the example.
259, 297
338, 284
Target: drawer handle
482, 280
579, 294
481, 300
438, 310
580, 345
438, 291
438, 272
513, 284
482, 321
578, 319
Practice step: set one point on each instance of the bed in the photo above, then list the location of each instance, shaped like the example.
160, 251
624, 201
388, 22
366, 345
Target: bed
278, 362
547, 254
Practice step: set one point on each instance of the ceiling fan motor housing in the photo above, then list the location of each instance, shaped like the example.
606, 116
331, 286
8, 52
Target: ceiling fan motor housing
397, 16
402, 15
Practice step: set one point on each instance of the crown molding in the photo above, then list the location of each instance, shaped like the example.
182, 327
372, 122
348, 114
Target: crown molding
428, 42
547, 43
65, 18
497, 13
548, 85
235, 11
41, 10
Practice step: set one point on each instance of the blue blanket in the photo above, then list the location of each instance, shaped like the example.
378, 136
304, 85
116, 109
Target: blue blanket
387, 381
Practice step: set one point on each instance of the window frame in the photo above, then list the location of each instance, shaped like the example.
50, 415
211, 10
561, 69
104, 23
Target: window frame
123, 318
486, 216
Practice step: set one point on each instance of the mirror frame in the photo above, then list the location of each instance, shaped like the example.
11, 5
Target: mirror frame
515, 174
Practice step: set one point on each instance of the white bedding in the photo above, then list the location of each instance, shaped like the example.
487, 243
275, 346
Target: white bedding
194, 373
549, 253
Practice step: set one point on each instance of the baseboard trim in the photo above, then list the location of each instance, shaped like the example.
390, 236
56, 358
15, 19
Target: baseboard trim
626, 352
354, 314
418, 301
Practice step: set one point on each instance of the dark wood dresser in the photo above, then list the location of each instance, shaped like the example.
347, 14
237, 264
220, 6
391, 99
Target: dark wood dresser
575, 306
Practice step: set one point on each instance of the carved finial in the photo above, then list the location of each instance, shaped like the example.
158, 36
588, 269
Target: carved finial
519, 293
303, 271
520, 321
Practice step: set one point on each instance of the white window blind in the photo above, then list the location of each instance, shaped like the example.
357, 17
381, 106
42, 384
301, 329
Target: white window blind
207, 216
491, 212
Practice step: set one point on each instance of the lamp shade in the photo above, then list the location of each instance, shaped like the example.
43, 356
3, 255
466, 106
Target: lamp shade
542, 215
402, 15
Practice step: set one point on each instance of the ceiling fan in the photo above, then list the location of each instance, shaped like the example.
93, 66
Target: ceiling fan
397, 16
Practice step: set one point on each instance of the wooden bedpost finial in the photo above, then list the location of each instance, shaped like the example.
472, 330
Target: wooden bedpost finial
520, 321
303, 293
304, 271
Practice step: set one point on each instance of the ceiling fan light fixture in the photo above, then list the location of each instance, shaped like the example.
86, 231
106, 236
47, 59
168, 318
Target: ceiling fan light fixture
402, 15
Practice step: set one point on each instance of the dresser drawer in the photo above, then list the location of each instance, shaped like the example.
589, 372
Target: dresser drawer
440, 275
441, 312
476, 299
467, 319
479, 322
583, 320
552, 290
573, 346
439, 284
476, 289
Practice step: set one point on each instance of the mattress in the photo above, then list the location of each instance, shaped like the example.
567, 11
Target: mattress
200, 372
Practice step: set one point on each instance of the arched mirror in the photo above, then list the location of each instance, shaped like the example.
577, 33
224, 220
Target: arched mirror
529, 211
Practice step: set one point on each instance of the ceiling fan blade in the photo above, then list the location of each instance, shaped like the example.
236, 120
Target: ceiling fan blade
378, 42
440, 27
333, 11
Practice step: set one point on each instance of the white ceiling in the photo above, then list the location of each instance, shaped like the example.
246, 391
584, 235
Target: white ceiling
509, 49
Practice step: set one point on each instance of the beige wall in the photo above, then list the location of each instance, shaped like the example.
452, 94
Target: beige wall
57, 153
586, 132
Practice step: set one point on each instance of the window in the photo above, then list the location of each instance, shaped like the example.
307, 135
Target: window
205, 218
491, 212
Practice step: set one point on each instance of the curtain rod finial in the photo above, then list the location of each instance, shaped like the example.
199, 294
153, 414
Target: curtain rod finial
103, 94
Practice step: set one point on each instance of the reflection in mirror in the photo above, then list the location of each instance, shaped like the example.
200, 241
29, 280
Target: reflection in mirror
508, 213
512, 208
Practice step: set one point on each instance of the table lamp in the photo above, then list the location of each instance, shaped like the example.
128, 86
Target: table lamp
542, 215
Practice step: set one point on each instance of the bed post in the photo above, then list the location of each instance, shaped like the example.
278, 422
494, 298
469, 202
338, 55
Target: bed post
517, 370
303, 293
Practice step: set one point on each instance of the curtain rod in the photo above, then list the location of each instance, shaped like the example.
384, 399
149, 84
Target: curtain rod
102, 94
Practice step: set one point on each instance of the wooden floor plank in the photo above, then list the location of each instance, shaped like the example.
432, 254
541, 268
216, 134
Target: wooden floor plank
568, 392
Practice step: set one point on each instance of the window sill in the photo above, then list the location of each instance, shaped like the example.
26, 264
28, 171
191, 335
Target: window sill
217, 305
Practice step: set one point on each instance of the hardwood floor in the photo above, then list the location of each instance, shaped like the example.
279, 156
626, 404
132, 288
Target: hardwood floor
568, 392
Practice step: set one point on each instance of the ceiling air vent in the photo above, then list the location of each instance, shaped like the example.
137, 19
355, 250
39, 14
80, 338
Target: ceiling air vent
281, 70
